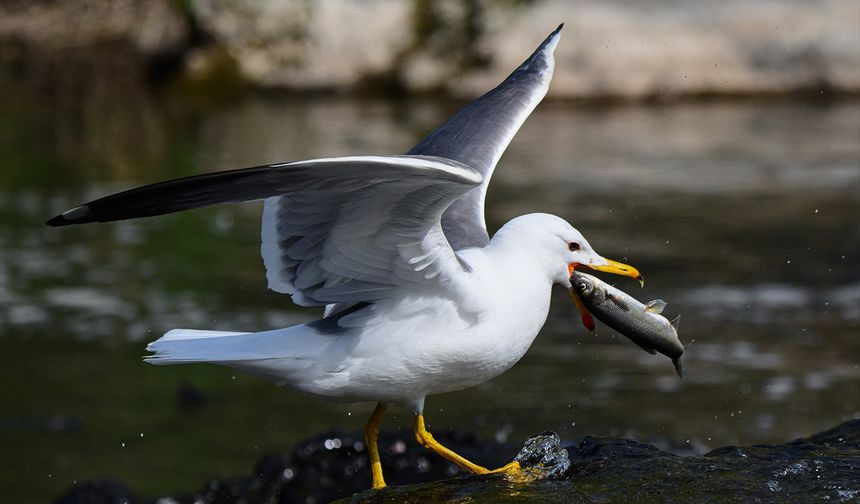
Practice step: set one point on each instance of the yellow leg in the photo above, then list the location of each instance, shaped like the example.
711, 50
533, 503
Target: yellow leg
426, 439
371, 433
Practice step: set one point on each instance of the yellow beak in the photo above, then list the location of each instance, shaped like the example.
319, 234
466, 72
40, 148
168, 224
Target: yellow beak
610, 267
618, 269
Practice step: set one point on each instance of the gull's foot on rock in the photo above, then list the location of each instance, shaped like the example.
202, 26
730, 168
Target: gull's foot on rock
511, 469
541, 457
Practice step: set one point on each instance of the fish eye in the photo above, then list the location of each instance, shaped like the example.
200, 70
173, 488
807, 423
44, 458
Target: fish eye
573, 246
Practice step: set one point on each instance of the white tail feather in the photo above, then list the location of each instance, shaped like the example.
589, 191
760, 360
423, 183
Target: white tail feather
281, 355
187, 334
190, 345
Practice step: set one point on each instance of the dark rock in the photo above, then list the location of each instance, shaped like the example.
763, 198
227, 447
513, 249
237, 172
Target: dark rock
334, 465
823, 467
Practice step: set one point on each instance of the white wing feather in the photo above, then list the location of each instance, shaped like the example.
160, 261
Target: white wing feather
368, 236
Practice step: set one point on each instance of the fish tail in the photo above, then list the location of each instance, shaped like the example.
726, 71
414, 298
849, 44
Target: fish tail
679, 368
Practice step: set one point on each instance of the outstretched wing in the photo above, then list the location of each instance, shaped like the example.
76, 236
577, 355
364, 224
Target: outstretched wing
335, 231
479, 134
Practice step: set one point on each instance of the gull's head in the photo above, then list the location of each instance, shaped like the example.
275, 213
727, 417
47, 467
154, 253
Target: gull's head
560, 248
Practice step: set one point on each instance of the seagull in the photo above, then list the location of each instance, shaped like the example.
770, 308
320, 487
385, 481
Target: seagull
418, 299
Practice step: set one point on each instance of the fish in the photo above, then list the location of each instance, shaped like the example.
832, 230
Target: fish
641, 323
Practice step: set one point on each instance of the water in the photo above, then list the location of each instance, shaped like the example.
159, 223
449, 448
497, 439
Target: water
743, 216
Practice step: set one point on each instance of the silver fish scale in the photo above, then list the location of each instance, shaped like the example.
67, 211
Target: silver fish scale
628, 316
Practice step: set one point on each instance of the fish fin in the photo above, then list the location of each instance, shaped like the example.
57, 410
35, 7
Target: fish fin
585, 316
655, 306
679, 368
588, 321
675, 322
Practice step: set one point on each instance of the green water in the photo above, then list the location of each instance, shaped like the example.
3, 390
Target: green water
742, 216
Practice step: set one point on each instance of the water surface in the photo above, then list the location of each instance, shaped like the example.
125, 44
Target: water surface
742, 216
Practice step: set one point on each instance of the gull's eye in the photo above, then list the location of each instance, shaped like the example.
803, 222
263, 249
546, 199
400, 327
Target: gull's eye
573, 246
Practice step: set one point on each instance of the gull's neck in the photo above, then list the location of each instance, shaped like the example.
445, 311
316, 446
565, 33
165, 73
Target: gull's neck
514, 288
507, 272
513, 249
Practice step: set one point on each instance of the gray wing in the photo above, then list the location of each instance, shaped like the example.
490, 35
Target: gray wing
335, 231
479, 134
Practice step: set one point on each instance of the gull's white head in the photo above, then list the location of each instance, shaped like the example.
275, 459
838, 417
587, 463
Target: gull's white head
556, 245
557, 248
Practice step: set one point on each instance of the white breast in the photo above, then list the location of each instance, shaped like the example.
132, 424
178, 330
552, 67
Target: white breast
423, 346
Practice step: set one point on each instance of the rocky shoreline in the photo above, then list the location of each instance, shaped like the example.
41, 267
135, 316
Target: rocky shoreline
619, 49
822, 467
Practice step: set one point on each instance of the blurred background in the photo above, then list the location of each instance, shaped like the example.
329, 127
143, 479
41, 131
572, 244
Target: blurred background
715, 146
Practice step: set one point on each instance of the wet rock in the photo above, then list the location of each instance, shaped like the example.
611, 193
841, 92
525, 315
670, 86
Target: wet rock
819, 468
543, 457
334, 465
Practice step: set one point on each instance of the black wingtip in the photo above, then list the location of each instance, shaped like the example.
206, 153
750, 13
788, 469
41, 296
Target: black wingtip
74, 216
541, 52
